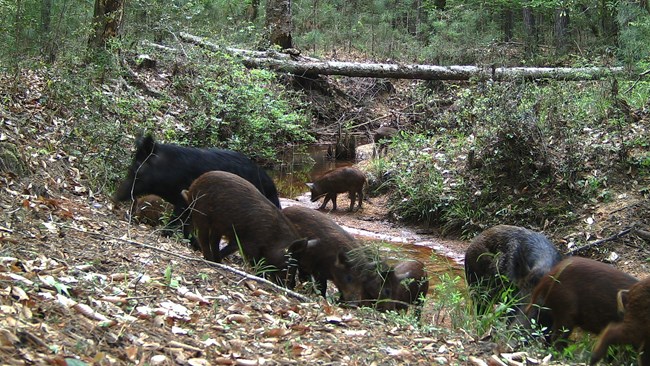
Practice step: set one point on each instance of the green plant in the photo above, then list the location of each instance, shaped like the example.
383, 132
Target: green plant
171, 280
450, 301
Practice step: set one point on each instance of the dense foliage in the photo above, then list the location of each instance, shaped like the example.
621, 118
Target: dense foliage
528, 154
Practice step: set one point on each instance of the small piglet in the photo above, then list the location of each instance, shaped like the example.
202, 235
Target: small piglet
382, 137
340, 180
224, 204
334, 254
634, 330
150, 209
407, 283
580, 292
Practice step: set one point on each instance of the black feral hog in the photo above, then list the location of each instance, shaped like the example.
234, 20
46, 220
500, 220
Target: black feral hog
150, 210
332, 256
340, 180
407, 283
506, 255
166, 169
633, 330
580, 292
382, 137
224, 204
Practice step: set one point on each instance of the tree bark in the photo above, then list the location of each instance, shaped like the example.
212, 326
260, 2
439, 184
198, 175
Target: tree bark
253, 10
561, 30
507, 24
530, 31
279, 23
107, 20
47, 44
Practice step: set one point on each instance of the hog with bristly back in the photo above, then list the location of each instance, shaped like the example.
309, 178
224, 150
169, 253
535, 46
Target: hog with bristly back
340, 180
580, 292
224, 204
166, 169
633, 330
506, 255
334, 255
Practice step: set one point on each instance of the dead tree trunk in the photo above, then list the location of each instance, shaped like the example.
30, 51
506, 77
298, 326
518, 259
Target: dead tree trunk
301, 66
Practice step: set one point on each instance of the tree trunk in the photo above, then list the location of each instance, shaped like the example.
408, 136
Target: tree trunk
107, 20
285, 63
278, 22
608, 22
253, 10
47, 43
530, 31
561, 30
507, 24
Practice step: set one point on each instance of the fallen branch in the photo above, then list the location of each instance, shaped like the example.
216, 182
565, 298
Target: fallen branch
196, 259
598, 242
303, 66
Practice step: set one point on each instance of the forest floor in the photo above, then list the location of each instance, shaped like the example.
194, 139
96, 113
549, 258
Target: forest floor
79, 284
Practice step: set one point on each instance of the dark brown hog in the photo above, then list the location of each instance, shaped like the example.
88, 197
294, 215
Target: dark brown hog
505, 255
150, 210
166, 169
407, 283
580, 292
382, 137
224, 204
634, 330
334, 255
340, 180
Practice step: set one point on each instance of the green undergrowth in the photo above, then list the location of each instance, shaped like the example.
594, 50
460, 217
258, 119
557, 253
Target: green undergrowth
202, 99
526, 154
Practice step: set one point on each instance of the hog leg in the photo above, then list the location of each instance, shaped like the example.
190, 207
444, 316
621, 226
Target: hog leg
360, 195
332, 197
353, 197
204, 243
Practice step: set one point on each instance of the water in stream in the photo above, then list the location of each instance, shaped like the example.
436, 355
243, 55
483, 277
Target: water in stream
300, 168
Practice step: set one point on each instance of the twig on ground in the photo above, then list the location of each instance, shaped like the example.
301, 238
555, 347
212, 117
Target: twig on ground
196, 259
598, 242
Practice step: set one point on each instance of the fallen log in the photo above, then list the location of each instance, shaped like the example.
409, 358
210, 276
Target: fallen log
299, 65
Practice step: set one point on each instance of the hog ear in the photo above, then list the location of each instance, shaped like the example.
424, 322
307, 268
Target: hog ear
186, 196
621, 301
342, 259
298, 246
145, 147
310, 185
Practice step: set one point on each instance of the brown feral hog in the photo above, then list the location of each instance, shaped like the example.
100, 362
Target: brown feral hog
634, 329
382, 137
224, 204
340, 180
408, 283
333, 255
506, 255
580, 292
151, 210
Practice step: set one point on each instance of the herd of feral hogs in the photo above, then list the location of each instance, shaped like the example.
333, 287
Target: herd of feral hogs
221, 193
